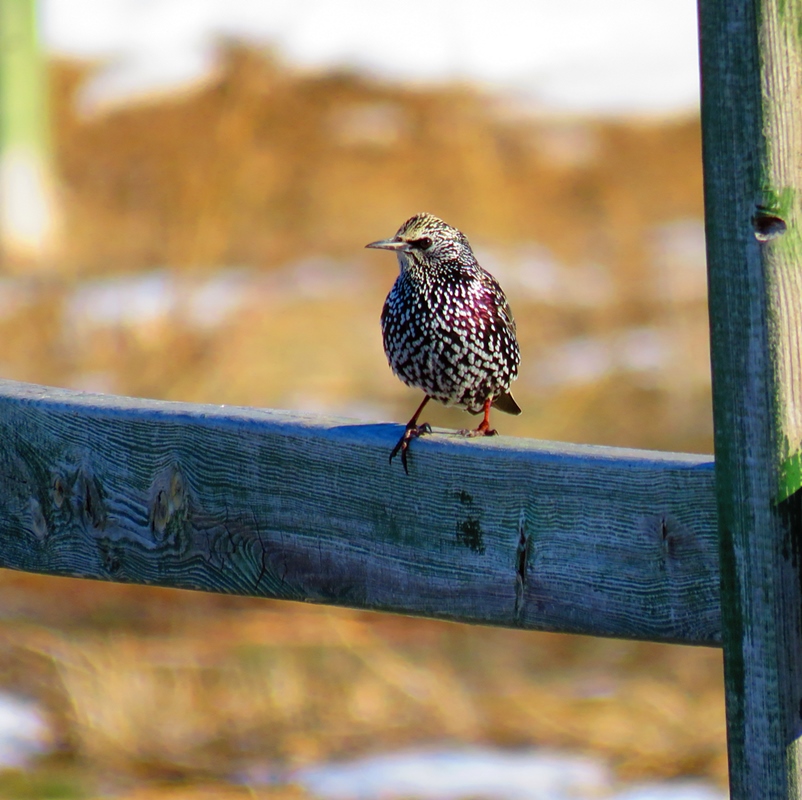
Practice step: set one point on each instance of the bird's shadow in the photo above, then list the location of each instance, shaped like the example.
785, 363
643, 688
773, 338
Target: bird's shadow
378, 432
387, 432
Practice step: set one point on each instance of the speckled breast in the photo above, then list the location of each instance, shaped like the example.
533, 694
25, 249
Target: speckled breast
454, 341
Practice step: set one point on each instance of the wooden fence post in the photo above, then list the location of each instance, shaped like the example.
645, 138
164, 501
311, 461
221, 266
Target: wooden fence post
751, 52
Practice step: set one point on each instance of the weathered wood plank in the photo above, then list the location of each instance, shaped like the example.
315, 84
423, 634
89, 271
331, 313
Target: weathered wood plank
499, 531
751, 81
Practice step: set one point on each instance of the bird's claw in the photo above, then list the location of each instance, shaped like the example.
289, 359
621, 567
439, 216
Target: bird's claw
469, 433
411, 432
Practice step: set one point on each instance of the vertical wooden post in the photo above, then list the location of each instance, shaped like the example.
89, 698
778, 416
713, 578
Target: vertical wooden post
28, 217
751, 52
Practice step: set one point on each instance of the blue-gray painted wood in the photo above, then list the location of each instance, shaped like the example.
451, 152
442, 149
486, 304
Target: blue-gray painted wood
500, 531
752, 140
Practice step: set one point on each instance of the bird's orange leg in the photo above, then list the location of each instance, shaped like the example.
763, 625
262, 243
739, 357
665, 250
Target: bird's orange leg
412, 431
483, 428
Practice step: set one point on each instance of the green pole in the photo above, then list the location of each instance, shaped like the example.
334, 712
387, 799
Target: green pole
27, 199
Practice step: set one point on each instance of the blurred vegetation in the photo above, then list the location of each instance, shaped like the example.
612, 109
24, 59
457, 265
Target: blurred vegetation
275, 180
266, 164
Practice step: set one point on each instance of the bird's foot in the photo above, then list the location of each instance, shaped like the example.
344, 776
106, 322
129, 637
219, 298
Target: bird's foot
411, 432
482, 430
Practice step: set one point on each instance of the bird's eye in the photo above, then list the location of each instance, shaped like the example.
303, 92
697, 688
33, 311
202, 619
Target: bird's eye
424, 243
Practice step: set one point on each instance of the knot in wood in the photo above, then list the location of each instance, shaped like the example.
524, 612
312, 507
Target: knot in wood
59, 491
38, 522
88, 500
169, 500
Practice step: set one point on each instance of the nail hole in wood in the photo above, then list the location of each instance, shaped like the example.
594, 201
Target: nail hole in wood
768, 226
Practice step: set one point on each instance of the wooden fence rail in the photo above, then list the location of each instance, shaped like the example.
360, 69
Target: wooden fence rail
501, 531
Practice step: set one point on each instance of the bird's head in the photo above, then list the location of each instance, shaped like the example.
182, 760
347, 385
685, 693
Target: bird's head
428, 242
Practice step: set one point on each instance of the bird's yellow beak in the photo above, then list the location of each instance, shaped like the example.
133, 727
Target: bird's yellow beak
389, 244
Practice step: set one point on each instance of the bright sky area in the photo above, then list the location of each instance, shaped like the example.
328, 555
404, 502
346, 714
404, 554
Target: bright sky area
574, 56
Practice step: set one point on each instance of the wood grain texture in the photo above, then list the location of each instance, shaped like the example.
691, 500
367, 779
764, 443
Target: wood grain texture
752, 150
509, 532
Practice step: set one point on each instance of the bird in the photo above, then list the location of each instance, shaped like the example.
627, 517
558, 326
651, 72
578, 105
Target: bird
447, 327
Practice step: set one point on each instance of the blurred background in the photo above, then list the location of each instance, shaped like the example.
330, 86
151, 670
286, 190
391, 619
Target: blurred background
186, 189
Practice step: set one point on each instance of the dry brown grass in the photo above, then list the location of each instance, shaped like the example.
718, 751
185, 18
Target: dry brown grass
266, 165
202, 688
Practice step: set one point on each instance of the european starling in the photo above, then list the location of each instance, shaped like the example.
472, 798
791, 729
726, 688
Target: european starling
447, 326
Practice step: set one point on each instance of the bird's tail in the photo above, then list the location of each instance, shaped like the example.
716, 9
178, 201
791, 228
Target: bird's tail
506, 403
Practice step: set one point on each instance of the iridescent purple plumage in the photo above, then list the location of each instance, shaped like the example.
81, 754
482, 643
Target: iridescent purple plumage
447, 326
